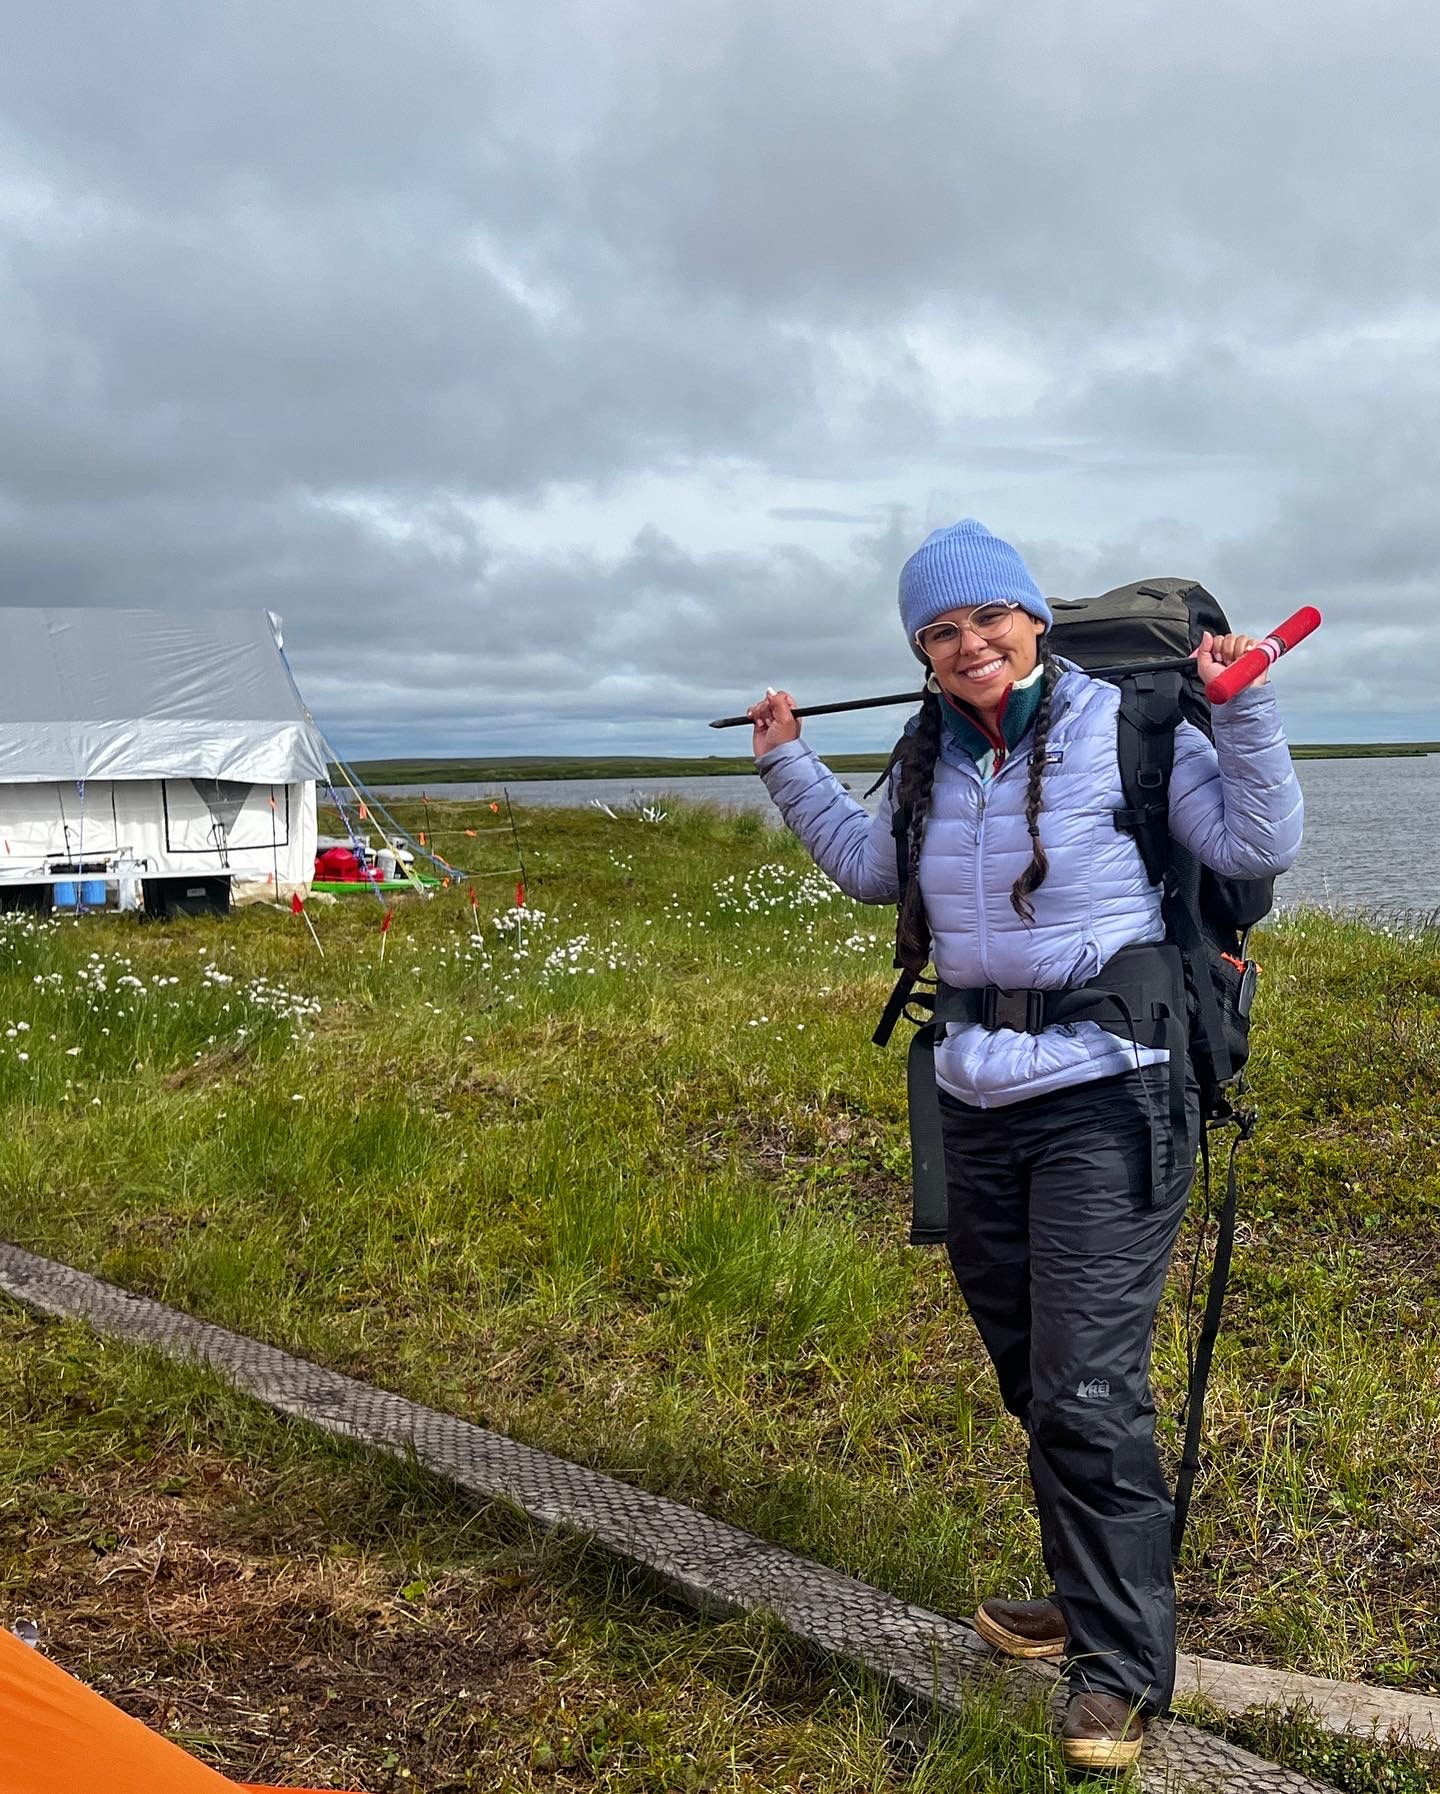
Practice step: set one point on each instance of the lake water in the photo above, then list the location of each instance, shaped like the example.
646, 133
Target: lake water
1372, 827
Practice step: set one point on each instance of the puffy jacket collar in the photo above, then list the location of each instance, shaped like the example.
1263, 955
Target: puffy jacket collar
990, 748
1069, 688
1072, 683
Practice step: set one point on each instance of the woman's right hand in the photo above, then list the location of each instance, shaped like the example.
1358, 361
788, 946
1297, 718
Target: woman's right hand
775, 721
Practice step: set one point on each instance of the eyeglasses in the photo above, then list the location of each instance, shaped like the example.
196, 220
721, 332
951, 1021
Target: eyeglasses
992, 621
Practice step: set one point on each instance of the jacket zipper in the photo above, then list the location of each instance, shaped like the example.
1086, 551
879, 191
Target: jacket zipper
979, 885
980, 868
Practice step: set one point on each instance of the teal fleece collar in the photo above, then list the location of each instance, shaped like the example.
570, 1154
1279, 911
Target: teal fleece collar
1017, 712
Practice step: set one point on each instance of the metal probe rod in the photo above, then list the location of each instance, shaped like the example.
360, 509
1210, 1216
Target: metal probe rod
899, 697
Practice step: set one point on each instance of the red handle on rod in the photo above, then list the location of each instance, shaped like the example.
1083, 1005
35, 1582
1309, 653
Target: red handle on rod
1260, 658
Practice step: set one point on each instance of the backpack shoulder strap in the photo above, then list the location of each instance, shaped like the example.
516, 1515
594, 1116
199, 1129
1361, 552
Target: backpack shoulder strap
900, 829
905, 983
1150, 712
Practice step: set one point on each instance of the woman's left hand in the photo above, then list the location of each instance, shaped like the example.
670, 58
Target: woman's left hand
1216, 652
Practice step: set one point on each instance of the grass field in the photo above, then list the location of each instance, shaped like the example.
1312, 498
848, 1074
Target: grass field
623, 1177
619, 766
519, 768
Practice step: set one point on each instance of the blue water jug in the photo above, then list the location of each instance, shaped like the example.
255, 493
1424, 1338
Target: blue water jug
92, 893
67, 893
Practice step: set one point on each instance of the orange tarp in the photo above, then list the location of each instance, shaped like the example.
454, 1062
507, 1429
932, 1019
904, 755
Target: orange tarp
59, 1737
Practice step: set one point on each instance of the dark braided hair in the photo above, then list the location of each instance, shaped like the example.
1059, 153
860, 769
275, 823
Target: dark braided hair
1031, 879
915, 754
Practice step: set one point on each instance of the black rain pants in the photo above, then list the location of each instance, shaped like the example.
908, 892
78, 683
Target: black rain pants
1060, 1247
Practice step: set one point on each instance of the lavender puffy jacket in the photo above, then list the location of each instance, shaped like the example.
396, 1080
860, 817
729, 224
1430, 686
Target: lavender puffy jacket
1236, 806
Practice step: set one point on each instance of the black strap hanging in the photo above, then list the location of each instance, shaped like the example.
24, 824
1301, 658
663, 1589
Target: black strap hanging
1209, 1332
929, 1191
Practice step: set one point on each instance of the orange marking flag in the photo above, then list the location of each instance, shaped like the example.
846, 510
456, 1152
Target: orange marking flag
58, 1737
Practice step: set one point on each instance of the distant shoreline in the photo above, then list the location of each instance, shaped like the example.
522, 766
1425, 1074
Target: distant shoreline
515, 769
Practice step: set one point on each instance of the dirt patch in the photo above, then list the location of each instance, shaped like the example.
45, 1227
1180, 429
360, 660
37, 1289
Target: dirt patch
226, 1063
276, 1656
836, 1149
481, 1090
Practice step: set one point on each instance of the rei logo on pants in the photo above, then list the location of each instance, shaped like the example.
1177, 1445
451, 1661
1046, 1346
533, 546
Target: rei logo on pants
1095, 1390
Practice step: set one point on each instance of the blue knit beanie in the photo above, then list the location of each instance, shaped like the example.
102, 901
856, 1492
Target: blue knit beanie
960, 566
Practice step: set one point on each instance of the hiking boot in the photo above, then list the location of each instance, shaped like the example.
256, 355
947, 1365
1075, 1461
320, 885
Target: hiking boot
1022, 1628
1101, 1731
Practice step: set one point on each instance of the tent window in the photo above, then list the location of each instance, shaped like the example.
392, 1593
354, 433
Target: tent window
210, 816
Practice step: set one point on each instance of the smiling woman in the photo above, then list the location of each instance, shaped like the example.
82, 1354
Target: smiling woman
1068, 1147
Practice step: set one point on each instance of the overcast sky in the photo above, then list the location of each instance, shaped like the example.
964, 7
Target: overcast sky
565, 373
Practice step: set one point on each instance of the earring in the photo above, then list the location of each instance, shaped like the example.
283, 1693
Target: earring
931, 682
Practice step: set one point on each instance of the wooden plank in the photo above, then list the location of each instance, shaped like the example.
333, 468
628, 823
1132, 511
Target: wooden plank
1339, 1706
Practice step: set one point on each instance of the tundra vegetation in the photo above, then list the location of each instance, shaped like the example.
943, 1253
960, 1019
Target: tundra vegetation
621, 1175
521, 768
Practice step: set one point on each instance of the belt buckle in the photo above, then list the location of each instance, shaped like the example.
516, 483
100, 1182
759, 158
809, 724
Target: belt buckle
1020, 1010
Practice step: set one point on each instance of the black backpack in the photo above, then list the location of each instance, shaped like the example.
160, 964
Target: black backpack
1141, 637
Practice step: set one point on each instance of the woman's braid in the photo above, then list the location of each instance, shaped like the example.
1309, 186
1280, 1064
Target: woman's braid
915, 755
1031, 879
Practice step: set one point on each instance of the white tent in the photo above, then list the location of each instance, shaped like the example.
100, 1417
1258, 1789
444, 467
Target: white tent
157, 746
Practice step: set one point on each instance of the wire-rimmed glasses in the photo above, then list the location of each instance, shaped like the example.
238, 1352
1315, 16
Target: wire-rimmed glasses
992, 621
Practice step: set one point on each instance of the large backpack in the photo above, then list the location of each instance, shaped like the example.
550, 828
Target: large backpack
1142, 638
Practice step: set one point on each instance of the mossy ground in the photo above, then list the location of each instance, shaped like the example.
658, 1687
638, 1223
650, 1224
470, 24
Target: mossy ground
625, 1179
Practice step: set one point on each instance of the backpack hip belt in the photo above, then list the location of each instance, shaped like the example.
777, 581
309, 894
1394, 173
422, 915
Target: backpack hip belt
1139, 992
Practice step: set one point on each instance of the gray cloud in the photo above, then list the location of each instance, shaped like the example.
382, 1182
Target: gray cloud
376, 320
814, 514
